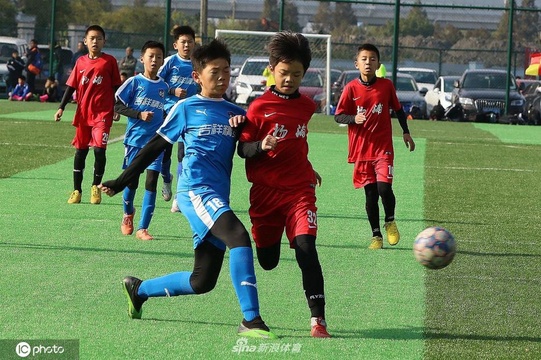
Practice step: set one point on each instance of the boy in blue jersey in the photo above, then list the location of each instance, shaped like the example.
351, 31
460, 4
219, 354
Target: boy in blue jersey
177, 73
208, 126
141, 98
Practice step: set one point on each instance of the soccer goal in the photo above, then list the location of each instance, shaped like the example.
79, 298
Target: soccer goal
246, 44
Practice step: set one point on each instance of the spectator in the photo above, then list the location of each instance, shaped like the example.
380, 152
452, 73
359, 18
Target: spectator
57, 67
123, 77
50, 94
15, 67
128, 62
81, 50
33, 63
21, 92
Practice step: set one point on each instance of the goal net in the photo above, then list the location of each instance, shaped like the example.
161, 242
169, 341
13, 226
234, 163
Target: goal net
249, 44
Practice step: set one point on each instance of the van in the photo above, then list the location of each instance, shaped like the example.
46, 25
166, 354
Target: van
7, 45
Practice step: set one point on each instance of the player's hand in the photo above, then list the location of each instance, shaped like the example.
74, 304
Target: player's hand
180, 93
116, 116
105, 189
360, 118
146, 116
58, 115
269, 143
235, 121
318, 178
409, 142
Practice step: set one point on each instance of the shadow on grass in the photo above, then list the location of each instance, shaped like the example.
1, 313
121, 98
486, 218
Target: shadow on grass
94, 250
433, 334
476, 253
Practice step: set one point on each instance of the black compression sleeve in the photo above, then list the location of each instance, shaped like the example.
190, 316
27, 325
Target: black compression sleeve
248, 150
145, 157
344, 119
67, 97
122, 109
402, 120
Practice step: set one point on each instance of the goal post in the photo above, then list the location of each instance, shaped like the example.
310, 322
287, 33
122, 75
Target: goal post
244, 44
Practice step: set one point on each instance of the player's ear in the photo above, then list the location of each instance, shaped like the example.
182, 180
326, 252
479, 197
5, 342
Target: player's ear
195, 76
356, 65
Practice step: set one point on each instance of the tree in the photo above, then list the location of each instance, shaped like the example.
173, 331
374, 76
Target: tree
526, 25
322, 22
416, 23
343, 15
8, 19
270, 16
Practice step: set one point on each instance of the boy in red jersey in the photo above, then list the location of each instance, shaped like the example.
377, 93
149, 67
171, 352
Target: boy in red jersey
365, 106
96, 78
274, 143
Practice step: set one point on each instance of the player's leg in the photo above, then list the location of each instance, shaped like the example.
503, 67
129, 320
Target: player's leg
384, 170
128, 195
230, 230
312, 281
208, 261
364, 176
82, 138
149, 204
180, 156
166, 173
100, 137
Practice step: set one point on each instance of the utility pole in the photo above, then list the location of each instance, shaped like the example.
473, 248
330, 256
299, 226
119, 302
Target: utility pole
203, 20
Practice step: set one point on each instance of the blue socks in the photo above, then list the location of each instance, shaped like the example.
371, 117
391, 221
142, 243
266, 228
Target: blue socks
127, 196
149, 203
241, 266
169, 285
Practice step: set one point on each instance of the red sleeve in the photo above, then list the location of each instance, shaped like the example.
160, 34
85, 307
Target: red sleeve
346, 105
394, 102
250, 130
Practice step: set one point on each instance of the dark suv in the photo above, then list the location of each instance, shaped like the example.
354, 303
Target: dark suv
479, 96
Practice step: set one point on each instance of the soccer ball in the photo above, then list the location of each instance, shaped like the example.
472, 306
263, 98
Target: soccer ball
434, 247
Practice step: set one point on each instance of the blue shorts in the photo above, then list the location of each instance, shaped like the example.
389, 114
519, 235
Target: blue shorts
130, 152
202, 207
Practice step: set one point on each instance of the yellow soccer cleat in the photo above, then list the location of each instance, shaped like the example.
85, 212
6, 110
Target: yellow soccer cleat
95, 195
393, 236
75, 197
376, 243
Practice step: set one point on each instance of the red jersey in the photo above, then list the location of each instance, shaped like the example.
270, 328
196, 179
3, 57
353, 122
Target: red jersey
94, 81
373, 138
285, 117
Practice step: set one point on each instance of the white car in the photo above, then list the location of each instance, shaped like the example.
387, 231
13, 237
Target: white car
7, 45
425, 78
441, 92
251, 83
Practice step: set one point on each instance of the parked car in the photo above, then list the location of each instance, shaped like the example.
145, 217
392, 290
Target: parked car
480, 95
338, 86
532, 96
66, 55
312, 86
441, 92
251, 83
7, 45
409, 95
425, 78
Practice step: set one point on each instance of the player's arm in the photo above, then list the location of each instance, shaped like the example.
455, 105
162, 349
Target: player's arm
122, 109
146, 156
403, 121
65, 100
344, 119
247, 150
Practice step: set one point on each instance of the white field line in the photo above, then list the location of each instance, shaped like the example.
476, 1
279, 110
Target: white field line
478, 168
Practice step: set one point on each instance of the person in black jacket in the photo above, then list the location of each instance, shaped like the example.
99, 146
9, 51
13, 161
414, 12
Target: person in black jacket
15, 67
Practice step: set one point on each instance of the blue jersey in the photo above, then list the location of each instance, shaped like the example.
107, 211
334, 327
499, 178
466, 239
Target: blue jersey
203, 125
177, 73
142, 94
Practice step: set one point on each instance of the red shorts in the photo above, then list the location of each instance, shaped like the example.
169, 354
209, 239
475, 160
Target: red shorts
273, 210
370, 172
91, 136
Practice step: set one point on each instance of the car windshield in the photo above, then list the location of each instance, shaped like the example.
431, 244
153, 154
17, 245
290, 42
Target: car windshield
312, 79
448, 84
428, 77
351, 76
486, 81
5, 52
405, 84
254, 68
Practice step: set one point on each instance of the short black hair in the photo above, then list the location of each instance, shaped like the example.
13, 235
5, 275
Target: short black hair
216, 49
367, 47
287, 46
151, 44
22, 77
179, 30
95, 28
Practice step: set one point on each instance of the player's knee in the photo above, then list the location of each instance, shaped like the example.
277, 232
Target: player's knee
204, 283
99, 153
151, 182
268, 257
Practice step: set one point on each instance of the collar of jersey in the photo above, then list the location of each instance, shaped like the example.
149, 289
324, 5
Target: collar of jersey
295, 95
368, 83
